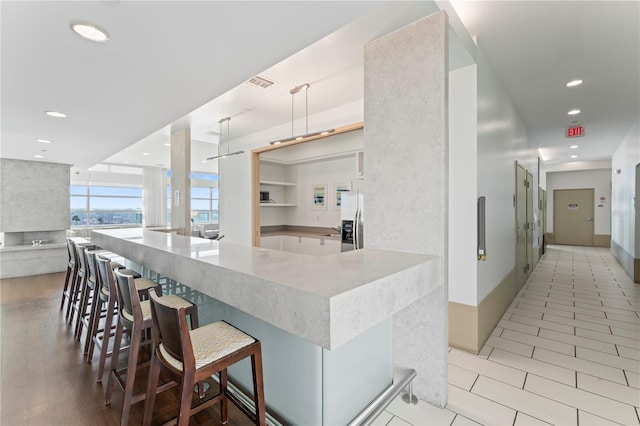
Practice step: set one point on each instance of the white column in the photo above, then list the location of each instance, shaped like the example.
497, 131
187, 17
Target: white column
406, 186
154, 196
180, 181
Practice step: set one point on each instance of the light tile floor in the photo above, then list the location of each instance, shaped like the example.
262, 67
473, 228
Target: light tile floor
566, 352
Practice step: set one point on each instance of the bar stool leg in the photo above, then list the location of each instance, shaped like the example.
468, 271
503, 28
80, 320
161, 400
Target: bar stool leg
224, 412
106, 337
114, 363
152, 384
258, 386
134, 349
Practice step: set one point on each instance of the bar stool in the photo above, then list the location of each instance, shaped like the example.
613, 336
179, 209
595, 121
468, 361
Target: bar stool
197, 354
86, 255
106, 296
135, 318
91, 307
70, 276
79, 285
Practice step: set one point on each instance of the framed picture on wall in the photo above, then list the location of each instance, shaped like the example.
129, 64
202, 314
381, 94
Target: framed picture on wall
319, 197
338, 189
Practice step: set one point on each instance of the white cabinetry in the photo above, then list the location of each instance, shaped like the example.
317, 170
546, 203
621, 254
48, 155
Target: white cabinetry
291, 243
271, 242
310, 246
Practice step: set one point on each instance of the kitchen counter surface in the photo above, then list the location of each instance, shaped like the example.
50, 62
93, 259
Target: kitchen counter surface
327, 300
320, 235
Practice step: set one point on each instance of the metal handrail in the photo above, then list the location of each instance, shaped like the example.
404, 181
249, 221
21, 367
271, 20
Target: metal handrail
382, 401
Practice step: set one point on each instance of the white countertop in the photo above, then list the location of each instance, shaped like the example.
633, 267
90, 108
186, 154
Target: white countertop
327, 300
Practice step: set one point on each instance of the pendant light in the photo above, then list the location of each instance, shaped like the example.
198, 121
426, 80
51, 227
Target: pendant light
217, 157
298, 89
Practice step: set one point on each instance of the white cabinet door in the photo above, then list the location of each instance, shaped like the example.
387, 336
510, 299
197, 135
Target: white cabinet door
271, 242
311, 246
290, 243
331, 247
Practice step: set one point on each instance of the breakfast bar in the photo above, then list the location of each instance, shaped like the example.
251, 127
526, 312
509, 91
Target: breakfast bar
325, 322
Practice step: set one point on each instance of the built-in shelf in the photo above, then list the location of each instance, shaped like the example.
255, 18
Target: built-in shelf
277, 205
276, 183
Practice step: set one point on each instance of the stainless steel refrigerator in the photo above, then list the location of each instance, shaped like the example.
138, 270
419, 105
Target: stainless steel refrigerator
351, 221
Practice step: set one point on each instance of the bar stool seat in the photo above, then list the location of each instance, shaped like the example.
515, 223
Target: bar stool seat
197, 354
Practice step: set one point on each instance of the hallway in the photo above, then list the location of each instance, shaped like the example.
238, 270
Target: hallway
567, 351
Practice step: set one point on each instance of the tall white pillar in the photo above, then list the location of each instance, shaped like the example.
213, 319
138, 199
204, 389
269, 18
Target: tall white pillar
154, 196
406, 186
180, 181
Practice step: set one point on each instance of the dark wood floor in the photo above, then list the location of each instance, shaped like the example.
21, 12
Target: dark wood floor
44, 378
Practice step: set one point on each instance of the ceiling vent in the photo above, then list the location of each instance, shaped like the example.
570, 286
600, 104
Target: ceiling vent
259, 82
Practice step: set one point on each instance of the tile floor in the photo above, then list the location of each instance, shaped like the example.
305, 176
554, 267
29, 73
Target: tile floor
566, 352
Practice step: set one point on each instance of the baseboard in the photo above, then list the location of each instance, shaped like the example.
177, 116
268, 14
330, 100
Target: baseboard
494, 305
601, 240
630, 264
463, 327
471, 326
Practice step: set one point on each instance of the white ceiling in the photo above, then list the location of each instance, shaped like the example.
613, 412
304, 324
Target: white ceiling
175, 64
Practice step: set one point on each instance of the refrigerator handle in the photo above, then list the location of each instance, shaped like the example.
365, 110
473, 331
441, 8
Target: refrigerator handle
356, 233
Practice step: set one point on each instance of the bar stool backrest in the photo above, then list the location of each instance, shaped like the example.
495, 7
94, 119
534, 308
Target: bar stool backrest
71, 251
105, 276
91, 266
170, 328
128, 299
80, 257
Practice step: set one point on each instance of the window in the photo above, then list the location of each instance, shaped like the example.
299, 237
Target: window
204, 204
105, 205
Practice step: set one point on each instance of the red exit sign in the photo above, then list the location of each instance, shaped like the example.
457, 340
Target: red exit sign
574, 132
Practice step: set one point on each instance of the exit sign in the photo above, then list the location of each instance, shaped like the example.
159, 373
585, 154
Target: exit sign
574, 132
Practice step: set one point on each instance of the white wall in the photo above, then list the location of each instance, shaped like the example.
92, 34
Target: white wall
624, 215
328, 173
463, 236
502, 139
599, 180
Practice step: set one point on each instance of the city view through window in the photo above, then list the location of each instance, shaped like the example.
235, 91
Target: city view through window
93, 205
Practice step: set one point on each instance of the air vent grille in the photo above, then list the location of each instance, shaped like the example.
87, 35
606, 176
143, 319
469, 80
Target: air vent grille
259, 82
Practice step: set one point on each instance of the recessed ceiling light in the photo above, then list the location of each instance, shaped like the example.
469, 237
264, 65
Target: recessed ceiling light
89, 31
573, 146
574, 156
145, 153
167, 144
38, 156
125, 162
56, 114
574, 83
44, 141
574, 112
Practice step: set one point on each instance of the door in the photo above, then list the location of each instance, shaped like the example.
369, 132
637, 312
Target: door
530, 224
542, 214
573, 216
520, 202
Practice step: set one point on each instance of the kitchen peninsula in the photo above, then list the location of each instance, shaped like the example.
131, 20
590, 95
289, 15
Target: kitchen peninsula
324, 321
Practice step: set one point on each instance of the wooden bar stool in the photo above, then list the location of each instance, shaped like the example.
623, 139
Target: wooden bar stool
107, 296
135, 319
196, 355
79, 285
70, 276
